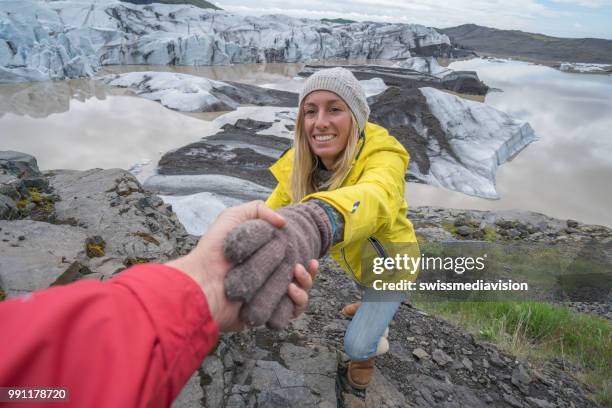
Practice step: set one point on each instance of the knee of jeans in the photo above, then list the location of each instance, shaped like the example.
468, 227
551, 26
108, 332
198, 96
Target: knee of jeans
358, 349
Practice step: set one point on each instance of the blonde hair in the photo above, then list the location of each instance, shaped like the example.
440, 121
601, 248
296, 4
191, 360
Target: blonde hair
305, 162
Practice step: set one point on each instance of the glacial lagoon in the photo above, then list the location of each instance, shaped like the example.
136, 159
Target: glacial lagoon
80, 124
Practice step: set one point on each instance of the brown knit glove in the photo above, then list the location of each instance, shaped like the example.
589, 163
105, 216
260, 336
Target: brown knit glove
264, 259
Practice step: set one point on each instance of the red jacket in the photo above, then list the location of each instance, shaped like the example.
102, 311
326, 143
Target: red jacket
132, 341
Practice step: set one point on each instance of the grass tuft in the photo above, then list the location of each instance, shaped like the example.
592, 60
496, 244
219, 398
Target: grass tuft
540, 331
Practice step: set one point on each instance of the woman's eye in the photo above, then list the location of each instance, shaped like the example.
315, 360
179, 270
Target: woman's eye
336, 109
309, 112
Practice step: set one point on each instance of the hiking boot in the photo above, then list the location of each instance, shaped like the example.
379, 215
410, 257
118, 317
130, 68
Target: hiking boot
359, 373
350, 310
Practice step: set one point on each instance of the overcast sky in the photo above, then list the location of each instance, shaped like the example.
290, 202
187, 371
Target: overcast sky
563, 18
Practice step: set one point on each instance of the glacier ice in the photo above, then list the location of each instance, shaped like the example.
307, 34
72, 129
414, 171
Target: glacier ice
190, 93
41, 40
482, 136
426, 65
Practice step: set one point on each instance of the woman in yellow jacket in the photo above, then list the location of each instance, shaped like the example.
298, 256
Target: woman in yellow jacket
355, 171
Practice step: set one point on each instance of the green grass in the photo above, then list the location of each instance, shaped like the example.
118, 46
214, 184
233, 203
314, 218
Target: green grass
490, 234
450, 227
540, 331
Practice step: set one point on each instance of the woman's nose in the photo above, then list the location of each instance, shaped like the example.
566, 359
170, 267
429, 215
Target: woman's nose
322, 121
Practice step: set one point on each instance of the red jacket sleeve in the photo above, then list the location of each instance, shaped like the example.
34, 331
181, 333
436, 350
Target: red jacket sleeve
132, 341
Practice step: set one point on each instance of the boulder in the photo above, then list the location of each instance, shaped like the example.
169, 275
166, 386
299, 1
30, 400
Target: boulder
35, 255
135, 225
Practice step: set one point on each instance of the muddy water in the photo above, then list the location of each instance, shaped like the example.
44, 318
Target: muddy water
568, 172
80, 124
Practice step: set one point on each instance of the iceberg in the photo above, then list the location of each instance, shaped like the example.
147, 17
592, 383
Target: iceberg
426, 65
190, 93
583, 67
480, 137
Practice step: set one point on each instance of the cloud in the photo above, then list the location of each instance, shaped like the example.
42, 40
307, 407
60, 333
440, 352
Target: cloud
553, 17
502, 14
586, 3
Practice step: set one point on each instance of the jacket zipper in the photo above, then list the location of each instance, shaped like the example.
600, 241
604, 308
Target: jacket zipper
347, 264
378, 247
362, 140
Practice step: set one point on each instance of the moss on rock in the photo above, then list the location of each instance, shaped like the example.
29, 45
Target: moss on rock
95, 247
146, 237
135, 261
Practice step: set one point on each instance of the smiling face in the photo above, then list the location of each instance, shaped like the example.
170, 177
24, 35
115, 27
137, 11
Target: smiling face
327, 125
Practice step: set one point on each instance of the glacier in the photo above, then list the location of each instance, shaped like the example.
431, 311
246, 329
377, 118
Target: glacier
48, 40
480, 135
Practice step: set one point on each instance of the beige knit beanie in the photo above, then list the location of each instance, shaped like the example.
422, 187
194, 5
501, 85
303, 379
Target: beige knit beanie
343, 83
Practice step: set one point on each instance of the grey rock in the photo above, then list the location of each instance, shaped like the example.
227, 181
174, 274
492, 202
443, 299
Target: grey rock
48, 254
297, 397
8, 209
511, 399
109, 203
572, 224
420, 353
520, 375
352, 401
382, 393
464, 230
318, 367
237, 151
467, 363
212, 374
21, 165
460, 395
435, 234
38, 182
10, 185
309, 360
521, 379
398, 351
271, 374
496, 359
235, 401
191, 395
439, 395
441, 357
540, 403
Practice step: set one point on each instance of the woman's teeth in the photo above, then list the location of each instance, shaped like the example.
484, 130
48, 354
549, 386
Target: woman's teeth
324, 138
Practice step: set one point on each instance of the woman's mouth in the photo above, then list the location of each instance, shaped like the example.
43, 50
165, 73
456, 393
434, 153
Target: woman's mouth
323, 138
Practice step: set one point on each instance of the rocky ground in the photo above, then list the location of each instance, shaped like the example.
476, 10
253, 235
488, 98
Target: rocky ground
65, 225
430, 364
61, 226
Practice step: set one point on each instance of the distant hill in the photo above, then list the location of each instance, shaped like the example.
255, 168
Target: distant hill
541, 47
338, 20
198, 3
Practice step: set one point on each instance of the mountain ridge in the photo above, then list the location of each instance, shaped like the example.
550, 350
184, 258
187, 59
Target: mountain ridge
198, 3
516, 43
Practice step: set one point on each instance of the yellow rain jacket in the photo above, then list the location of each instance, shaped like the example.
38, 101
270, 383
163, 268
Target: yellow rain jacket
371, 199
